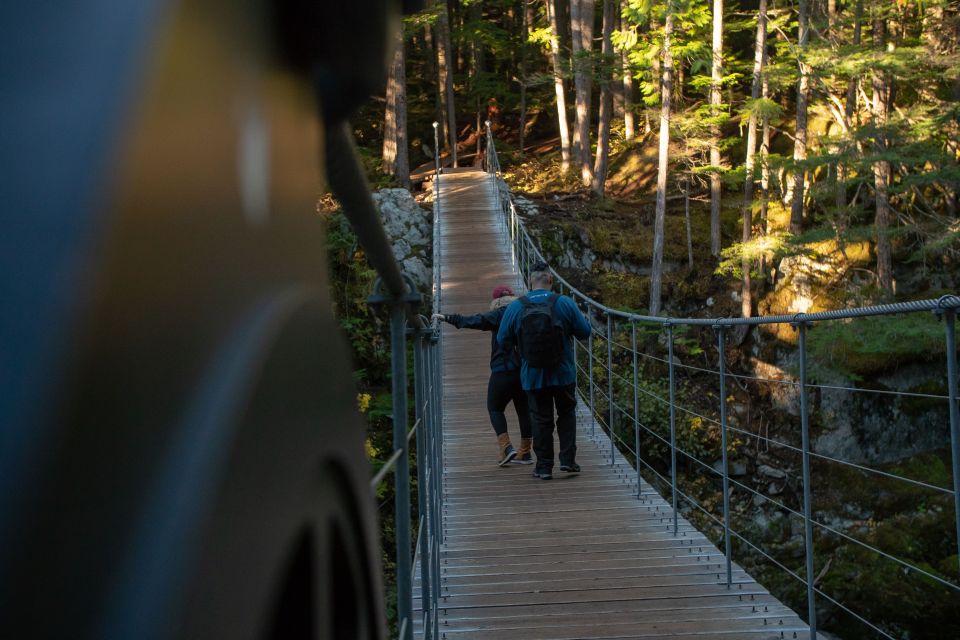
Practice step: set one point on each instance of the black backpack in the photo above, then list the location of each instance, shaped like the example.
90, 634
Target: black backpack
541, 333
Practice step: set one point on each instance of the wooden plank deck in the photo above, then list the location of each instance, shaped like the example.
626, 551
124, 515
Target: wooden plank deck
579, 556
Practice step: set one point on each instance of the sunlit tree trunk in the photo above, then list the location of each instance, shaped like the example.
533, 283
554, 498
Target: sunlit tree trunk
765, 163
629, 118
558, 85
800, 141
656, 269
716, 77
881, 168
444, 52
581, 27
396, 159
759, 56
622, 86
606, 101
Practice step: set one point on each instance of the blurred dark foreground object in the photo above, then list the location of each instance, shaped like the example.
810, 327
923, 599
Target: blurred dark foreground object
180, 454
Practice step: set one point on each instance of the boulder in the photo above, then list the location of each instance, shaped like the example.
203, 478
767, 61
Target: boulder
410, 230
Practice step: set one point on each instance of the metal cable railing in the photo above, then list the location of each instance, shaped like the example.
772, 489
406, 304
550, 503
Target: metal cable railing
600, 376
398, 295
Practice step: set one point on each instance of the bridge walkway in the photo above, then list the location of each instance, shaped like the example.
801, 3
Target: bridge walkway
576, 557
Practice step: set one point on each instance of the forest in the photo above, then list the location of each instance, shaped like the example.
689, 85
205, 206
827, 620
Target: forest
806, 121
704, 153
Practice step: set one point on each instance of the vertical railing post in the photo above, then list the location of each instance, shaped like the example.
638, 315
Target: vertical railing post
420, 391
437, 479
610, 407
398, 357
636, 400
436, 149
950, 323
437, 376
721, 346
801, 327
593, 415
673, 424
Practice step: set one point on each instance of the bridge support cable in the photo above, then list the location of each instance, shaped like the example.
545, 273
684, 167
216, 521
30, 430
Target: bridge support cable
527, 251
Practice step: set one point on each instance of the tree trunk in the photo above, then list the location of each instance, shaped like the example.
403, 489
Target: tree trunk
686, 216
629, 121
764, 163
396, 159
626, 91
656, 269
606, 101
716, 78
435, 73
581, 26
524, 29
444, 51
800, 142
558, 85
850, 106
881, 168
759, 57
476, 46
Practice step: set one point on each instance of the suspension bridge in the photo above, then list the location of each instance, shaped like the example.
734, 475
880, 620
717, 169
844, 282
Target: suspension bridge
591, 555
603, 553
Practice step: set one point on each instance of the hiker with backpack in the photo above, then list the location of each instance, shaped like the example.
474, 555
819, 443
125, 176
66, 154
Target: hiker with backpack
542, 324
504, 384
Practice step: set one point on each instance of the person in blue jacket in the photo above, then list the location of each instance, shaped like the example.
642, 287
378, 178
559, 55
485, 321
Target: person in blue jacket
504, 385
549, 387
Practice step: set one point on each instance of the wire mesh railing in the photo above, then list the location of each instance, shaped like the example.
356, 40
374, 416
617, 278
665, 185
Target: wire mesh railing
398, 295
682, 423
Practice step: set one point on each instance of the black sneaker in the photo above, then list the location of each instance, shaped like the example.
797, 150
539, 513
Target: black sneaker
508, 455
573, 467
526, 458
543, 475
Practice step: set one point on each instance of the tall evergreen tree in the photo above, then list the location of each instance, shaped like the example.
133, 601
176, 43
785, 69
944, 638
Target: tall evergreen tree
716, 78
759, 57
800, 138
656, 269
606, 101
581, 29
556, 61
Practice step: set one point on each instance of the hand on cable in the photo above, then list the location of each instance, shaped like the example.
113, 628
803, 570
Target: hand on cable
437, 317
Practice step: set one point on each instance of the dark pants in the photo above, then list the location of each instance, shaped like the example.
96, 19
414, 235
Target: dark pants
542, 402
504, 386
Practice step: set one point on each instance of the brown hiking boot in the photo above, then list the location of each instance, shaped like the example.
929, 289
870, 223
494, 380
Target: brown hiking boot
524, 453
507, 452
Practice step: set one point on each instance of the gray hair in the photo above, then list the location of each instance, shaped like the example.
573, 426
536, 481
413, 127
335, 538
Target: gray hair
544, 277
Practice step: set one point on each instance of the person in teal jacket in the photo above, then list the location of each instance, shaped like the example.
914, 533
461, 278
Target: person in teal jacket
549, 387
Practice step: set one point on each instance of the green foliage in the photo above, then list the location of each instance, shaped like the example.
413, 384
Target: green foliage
871, 346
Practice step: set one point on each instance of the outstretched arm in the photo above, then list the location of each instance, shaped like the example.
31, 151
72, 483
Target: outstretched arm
488, 321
